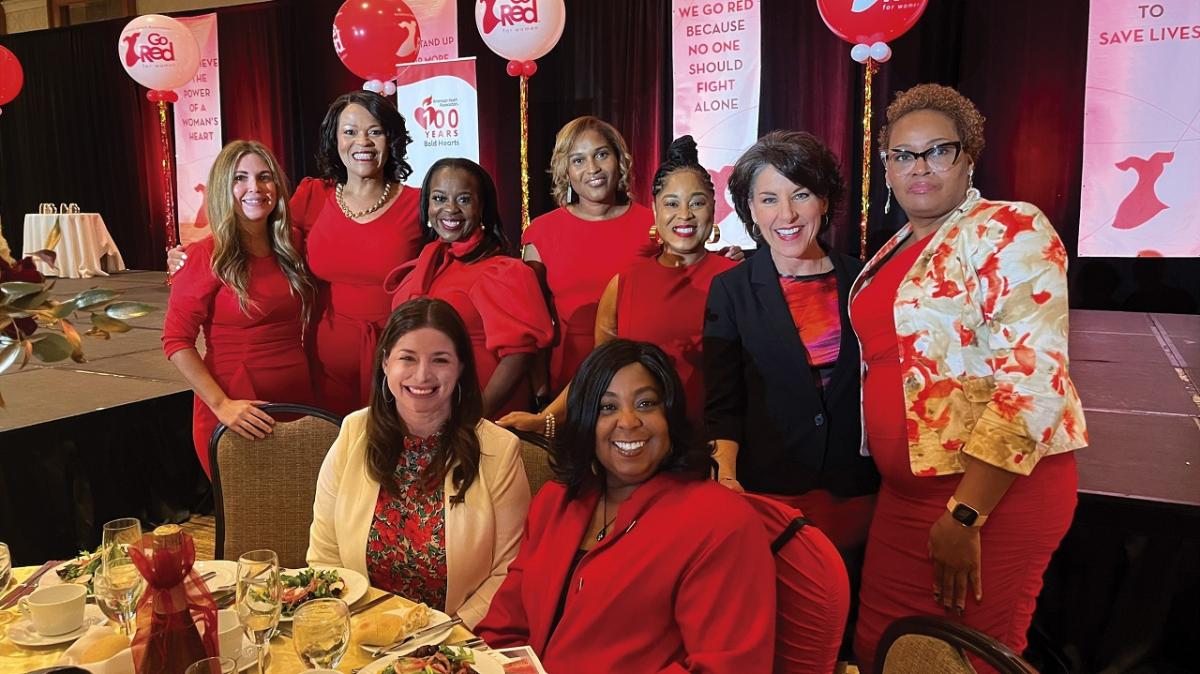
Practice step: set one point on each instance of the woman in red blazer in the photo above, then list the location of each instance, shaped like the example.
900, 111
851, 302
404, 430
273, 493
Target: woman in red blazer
636, 560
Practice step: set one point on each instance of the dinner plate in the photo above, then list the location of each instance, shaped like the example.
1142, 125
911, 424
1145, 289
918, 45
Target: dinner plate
356, 585
226, 573
486, 662
50, 578
22, 633
435, 637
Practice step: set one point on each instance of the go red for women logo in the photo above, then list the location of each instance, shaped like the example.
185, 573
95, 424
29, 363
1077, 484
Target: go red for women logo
157, 47
508, 13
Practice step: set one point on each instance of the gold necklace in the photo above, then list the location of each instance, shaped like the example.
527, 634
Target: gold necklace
354, 215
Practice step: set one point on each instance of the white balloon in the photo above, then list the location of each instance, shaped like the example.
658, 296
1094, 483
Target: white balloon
881, 52
860, 52
521, 30
389, 88
373, 85
158, 52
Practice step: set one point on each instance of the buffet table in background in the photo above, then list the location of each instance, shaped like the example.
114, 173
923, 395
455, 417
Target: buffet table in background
85, 250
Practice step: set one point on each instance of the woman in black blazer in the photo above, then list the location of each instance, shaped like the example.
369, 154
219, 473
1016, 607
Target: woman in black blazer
780, 357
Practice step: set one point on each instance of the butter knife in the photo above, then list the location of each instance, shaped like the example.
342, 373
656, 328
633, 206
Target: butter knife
374, 602
28, 586
382, 650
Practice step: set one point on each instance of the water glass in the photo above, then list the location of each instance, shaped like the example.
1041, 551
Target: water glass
321, 632
258, 599
212, 666
5, 565
118, 585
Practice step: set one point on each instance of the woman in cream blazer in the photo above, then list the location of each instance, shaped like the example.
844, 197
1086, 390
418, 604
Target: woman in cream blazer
474, 532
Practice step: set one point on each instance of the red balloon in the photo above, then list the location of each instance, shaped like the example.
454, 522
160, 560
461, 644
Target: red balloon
870, 21
12, 76
513, 68
374, 38
528, 68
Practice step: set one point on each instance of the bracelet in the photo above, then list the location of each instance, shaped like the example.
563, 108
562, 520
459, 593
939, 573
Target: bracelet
551, 424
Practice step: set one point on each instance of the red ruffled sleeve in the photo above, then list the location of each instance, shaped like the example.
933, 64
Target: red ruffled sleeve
512, 308
191, 302
307, 202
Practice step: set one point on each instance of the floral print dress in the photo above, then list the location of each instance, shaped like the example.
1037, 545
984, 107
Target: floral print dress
406, 547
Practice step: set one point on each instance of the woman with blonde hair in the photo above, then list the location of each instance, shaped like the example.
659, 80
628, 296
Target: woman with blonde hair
247, 287
596, 232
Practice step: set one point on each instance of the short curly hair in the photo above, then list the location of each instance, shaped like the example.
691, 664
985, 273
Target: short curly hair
566, 138
946, 100
329, 162
802, 158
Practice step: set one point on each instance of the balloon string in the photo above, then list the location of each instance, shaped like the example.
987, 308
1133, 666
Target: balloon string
871, 67
164, 141
524, 152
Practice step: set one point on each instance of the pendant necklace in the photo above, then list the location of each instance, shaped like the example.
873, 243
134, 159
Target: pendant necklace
604, 529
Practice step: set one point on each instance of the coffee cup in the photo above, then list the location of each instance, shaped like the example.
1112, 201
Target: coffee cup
229, 633
55, 610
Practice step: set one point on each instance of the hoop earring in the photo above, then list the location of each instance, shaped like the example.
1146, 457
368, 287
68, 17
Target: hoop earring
755, 232
458, 393
716, 233
887, 205
384, 388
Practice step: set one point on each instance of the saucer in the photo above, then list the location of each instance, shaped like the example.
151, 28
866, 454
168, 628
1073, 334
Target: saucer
22, 633
248, 657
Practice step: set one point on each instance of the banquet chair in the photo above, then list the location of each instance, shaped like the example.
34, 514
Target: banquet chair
263, 490
536, 459
812, 590
936, 645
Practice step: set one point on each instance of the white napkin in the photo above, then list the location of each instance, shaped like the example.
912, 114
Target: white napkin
121, 663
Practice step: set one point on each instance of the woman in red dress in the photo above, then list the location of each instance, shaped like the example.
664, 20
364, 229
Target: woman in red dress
248, 289
597, 231
660, 299
969, 410
360, 221
468, 265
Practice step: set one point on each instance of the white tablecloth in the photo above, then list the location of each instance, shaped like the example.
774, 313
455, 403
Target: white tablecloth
85, 250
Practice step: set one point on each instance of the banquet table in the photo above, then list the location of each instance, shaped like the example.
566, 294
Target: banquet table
85, 250
16, 659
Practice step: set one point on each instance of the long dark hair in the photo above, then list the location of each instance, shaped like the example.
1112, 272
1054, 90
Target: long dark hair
396, 168
573, 452
386, 430
494, 238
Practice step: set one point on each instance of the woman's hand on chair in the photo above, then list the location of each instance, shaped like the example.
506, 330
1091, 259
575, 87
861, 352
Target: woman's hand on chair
176, 258
524, 421
734, 253
955, 551
245, 418
731, 483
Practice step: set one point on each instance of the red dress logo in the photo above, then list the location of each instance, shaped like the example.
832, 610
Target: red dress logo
1142, 203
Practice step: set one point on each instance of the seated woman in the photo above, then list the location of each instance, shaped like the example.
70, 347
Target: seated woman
467, 263
418, 492
633, 559
250, 292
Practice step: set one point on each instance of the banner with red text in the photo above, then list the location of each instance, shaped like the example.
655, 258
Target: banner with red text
1141, 133
716, 52
439, 100
198, 138
438, 20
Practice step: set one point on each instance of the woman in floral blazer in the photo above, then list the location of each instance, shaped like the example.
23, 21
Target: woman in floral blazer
968, 406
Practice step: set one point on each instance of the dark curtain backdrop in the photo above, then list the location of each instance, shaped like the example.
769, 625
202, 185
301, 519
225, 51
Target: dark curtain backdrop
82, 131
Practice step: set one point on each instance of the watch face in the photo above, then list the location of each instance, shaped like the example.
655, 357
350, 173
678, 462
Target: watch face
964, 515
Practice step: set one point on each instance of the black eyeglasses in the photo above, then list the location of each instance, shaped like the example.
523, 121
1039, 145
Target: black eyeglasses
940, 157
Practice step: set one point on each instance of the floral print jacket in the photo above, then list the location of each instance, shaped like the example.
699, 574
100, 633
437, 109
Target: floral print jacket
981, 320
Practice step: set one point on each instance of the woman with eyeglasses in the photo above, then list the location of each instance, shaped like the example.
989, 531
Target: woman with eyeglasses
969, 409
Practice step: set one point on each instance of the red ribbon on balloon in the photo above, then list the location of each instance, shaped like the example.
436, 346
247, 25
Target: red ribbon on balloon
868, 25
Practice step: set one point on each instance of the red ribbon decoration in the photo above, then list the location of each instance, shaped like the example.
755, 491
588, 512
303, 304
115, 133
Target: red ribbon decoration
166, 175
175, 595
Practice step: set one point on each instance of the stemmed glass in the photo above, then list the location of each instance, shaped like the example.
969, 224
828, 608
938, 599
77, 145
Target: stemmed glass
118, 584
5, 566
258, 599
321, 632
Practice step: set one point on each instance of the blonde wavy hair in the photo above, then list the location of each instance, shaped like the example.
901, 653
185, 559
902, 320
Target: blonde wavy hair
230, 259
566, 138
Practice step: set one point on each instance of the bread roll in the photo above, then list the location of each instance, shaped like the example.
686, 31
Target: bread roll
384, 628
104, 648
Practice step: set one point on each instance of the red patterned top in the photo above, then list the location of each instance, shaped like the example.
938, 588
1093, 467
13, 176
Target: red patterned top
406, 547
813, 302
